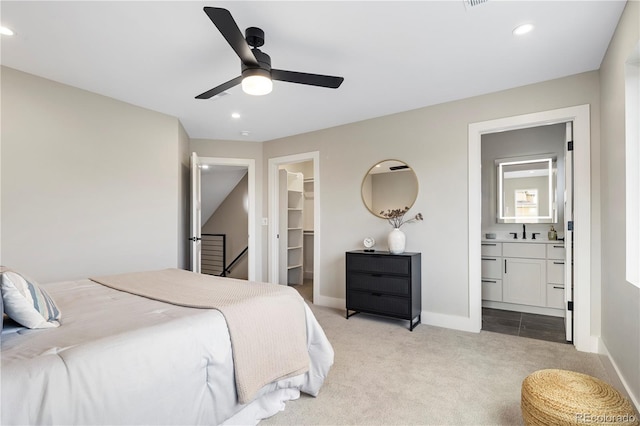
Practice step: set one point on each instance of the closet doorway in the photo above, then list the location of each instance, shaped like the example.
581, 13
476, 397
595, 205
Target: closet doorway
582, 288
294, 223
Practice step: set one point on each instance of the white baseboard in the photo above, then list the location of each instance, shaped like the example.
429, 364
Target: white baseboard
614, 373
329, 302
523, 308
430, 318
450, 321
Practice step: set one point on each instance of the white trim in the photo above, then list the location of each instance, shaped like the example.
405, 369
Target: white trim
632, 161
448, 321
330, 302
613, 371
579, 115
273, 166
255, 241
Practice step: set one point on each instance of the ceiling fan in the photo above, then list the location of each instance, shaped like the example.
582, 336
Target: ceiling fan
257, 74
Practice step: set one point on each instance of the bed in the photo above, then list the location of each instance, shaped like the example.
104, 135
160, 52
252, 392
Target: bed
124, 358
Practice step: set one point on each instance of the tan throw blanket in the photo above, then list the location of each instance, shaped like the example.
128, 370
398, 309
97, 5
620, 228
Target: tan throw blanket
267, 322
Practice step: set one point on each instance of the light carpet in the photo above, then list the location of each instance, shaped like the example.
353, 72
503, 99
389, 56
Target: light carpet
386, 375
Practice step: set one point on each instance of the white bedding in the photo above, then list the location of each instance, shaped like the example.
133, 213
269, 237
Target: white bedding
123, 359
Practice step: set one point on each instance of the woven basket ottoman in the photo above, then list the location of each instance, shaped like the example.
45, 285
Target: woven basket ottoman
560, 397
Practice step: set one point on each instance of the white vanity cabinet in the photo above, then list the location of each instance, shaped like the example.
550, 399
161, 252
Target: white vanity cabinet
492, 271
523, 276
524, 281
555, 275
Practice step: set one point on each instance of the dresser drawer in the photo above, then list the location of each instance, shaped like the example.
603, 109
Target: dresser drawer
378, 283
379, 303
372, 263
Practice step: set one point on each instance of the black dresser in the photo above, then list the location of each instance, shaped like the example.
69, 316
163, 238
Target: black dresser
384, 284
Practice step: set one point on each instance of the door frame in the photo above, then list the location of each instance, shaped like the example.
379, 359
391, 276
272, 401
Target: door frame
273, 208
254, 238
580, 116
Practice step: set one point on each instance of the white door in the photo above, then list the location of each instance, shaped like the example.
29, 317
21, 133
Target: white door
568, 232
196, 207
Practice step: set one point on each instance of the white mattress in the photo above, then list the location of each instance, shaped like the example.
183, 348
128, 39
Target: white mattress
123, 359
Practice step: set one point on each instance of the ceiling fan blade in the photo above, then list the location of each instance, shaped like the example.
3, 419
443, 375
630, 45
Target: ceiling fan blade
219, 89
223, 20
305, 78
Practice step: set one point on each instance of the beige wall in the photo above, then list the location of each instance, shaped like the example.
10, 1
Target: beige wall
90, 185
620, 299
433, 141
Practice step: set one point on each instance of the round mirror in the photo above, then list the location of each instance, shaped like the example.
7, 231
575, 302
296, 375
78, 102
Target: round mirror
388, 185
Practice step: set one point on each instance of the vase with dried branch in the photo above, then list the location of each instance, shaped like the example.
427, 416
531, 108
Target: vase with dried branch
396, 218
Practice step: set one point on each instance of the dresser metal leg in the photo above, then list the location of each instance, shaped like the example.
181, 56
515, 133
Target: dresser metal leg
413, 325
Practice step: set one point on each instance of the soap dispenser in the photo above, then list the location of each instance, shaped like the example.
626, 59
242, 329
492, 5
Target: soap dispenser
553, 235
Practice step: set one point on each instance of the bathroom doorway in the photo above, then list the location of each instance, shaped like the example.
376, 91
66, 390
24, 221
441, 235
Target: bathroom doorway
579, 117
523, 191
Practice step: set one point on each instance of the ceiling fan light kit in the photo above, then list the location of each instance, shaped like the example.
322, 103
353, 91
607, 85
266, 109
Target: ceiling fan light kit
256, 81
257, 75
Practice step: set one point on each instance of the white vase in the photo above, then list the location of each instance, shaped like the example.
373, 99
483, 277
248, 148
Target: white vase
396, 241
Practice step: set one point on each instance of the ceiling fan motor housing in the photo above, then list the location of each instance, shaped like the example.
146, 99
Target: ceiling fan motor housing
264, 62
254, 36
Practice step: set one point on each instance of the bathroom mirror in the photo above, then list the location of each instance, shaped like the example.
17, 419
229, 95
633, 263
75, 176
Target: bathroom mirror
527, 190
389, 184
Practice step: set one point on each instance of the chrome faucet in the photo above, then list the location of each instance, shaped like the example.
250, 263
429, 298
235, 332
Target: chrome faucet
524, 232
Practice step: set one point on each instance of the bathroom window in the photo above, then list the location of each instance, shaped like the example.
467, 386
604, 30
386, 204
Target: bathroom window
526, 202
632, 158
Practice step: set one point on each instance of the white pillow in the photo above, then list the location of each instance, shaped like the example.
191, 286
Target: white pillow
26, 303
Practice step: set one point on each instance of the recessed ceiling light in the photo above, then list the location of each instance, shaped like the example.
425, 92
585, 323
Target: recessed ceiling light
6, 31
522, 29
245, 133
235, 115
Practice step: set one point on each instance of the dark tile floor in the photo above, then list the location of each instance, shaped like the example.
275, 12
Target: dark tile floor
534, 326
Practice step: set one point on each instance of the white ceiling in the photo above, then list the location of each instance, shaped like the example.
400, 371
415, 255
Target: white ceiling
394, 56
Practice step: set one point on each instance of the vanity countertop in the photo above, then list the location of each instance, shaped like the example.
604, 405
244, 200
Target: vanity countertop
520, 240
